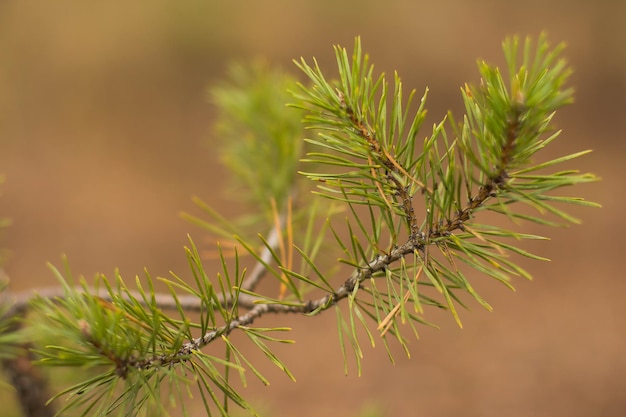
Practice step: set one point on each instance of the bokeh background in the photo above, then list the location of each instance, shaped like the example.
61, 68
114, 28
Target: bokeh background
105, 135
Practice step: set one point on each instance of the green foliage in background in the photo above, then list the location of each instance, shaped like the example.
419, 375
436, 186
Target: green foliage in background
398, 224
258, 138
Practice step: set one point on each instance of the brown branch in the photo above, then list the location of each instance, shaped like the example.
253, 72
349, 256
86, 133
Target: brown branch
31, 386
359, 275
190, 302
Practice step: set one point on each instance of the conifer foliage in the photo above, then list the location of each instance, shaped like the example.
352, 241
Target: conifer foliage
399, 222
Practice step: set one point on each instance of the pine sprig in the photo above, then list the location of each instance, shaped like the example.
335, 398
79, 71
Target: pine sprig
138, 349
488, 165
351, 114
414, 232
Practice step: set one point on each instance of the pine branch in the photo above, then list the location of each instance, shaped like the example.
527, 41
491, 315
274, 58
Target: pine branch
191, 303
410, 232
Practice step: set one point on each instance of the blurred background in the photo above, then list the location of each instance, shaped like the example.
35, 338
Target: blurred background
105, 135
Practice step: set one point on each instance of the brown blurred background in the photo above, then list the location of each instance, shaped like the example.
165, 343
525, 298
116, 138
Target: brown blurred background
105, 136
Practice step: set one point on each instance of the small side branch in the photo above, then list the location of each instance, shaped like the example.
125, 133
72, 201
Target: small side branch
259, 269
495, 182
390, 165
